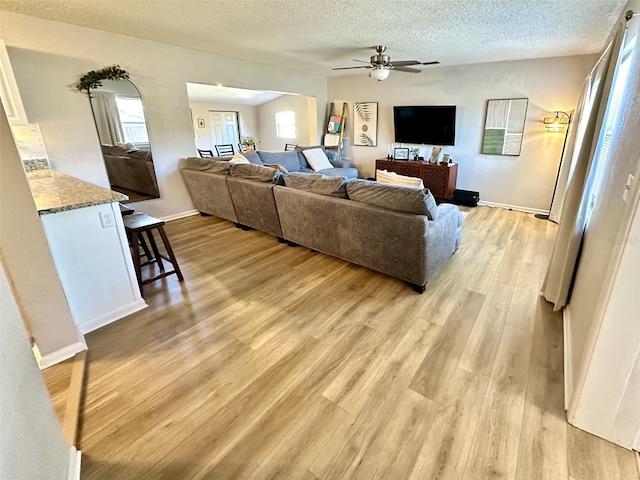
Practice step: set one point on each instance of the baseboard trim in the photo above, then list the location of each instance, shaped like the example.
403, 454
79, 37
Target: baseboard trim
61, 355
176, 216
112, 316
513, 207
568, 369
75, 460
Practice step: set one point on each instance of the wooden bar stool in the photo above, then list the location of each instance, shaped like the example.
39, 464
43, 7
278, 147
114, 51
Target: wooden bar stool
124, 210
136, 225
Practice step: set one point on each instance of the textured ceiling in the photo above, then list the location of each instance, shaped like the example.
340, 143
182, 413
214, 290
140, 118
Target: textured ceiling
316, 35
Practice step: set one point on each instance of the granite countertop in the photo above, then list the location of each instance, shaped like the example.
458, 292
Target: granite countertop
56, 192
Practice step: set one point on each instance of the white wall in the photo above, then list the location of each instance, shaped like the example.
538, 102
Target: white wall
32, 444
306, 131
524, 181
247, 116
603, 309
27, 257
50, 57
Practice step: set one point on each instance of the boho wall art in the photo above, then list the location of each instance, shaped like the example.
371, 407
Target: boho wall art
504, 126
365, 124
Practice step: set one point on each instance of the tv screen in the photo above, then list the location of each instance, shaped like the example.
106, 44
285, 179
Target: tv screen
431, 125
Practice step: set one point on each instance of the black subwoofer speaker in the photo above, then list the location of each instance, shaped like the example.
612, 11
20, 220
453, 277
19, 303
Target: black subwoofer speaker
466, 197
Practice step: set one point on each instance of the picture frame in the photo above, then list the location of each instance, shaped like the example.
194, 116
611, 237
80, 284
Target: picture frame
201, 123
365, 124
401, 154
504, 126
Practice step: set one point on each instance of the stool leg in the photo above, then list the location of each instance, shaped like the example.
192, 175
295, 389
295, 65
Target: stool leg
145, 248
172, 257
136, 257
154, 247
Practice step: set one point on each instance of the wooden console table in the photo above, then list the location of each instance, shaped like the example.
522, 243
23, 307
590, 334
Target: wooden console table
439, 179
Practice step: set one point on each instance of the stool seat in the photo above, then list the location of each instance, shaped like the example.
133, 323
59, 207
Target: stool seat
135, 225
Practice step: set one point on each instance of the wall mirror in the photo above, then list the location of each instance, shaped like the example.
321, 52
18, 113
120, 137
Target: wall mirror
119, 116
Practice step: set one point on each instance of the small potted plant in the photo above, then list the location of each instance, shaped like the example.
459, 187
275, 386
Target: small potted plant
248, 142
415, 152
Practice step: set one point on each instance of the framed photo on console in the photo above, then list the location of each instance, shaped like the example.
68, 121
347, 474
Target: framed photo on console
401, 154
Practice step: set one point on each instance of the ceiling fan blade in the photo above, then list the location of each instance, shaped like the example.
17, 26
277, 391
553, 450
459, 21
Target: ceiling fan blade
406, 63
407, 69
430, 63
349, 68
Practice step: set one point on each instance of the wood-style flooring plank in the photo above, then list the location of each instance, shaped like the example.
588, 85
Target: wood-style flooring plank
544, 428
276, 362
494, 452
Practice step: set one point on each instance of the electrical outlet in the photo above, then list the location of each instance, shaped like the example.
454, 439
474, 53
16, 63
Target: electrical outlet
106, 218
628, 186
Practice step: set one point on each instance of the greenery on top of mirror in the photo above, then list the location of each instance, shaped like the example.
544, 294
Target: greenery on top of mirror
94, 78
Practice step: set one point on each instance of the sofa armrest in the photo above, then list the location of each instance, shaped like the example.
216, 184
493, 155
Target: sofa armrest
332, 155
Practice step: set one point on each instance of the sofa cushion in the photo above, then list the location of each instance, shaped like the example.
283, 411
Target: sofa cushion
206, 164
317, 159
253, 157
394, 179
288, 160
317, 183
394, 197
258, 173
340, 172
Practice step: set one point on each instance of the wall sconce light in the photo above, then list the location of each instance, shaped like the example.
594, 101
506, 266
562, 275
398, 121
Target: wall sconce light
557, 122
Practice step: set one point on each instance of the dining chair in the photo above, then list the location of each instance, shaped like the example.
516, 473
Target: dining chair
225, 150
288, 147
205, 153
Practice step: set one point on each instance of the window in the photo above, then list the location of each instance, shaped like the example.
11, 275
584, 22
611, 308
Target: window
608, 132
132, 120
286, 124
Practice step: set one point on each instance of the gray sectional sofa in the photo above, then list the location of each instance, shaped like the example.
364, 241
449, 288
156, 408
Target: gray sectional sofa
396, 230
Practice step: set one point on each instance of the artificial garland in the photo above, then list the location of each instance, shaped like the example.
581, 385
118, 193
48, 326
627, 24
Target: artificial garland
94, 78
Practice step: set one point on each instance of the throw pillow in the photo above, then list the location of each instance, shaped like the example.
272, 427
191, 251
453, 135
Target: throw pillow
317, 183
394, 197
317, 159
250, 171
395, 179
238, 158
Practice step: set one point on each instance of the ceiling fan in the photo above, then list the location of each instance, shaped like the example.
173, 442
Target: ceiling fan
380, 65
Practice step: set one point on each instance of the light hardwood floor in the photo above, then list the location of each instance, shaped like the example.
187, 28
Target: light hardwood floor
276, 362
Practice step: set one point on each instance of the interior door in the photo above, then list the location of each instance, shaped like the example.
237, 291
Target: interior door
224, 128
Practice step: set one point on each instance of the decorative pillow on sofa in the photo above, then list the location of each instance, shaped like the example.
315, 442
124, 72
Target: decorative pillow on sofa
238, 158
317, 183
288, 160
394, 197
394, 179
258, 173
207, 164
317, 159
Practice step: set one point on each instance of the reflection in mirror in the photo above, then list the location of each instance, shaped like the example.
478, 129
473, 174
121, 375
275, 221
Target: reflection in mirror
224, 115
122, 130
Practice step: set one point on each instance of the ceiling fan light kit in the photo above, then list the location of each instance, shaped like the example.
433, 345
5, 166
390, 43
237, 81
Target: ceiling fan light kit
380, 65
380, 73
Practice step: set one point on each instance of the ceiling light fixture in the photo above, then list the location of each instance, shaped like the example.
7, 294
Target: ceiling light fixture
380, 73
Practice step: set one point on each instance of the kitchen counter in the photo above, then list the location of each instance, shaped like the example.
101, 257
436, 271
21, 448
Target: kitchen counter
57, 192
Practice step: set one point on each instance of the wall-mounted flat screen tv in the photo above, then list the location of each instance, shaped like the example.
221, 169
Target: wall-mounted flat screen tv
424, 124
